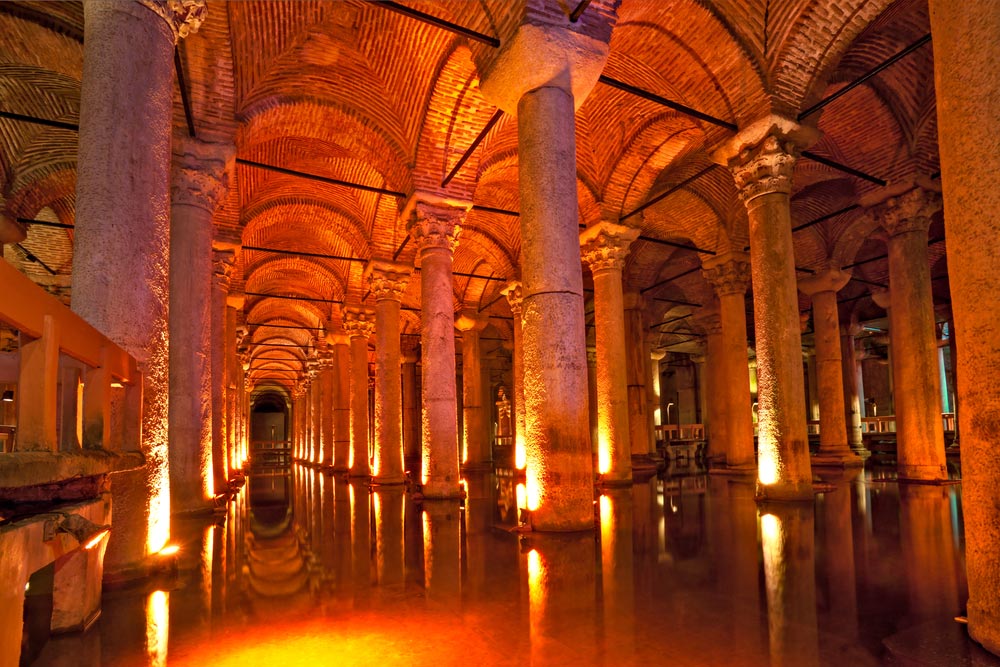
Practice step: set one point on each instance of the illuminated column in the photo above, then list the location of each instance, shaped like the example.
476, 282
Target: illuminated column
435, 230
542, 73
359, 325
852, 389
618, 573
653, 391
762, 164
916, 382
965, 48
222, 266
199, 183
823, 288
717, 427
604, 247
121, 244
729, 275
442, 527
389, 568
234, 337
514, 297
387, 282
341, 402
327, 391
411, 410
592, 398
475, 415
838, 552
636, 364
929, 553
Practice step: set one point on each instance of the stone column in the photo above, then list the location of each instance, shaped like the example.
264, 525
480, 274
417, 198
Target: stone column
906, 216
222, 267
199, 183
592, 397
762, 164
514, 297
411, 410
387, 282
812, 386
852, 389
234, 337
717, 427
316, 415
359, 325
604, 247
729, 275
823, 288
328, 391
435, 230
475, 411
636, 374
653, 393
702, 378
121, 244
541, 74
341, 402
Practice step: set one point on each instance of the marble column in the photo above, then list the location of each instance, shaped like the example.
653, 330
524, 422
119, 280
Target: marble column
234, 337
222, 268
199, 183
906, 216
852, 388
341, 402
540, 75
411, 409
121, 244
823, 287
475, 411
604, 247
435, 230
729, 275
387, 282
327, 394
359, 325
514, 296
762, 164
636, 363
717, 427
653, 393
966, 48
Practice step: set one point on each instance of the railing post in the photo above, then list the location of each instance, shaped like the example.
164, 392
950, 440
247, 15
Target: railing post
69, 440
97, 406
37, 382
131, 436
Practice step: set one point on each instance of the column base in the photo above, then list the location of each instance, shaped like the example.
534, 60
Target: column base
388, 480
150, 566
784, 492
195, 512
481, 466
439, 494
605, 481
861, 452
839, 458
338, 470
744, 471
645, 462
922, 474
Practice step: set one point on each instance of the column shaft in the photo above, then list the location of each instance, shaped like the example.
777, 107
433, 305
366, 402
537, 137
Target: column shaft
342, 405
830, 379
852, 394
328, 383
614, 448
734, 382
636, 365
514, 294
360, 466
411, 411
223, 266
475, 415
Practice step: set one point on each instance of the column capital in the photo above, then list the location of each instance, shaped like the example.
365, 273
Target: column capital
657, 355
470, 321
762, 156
201, 172
359, 322
515, 295
434, 223
387, 280
830, 279
881, 298
182, 16
222, 267
906, 207
728, 273
605, 245
236, 300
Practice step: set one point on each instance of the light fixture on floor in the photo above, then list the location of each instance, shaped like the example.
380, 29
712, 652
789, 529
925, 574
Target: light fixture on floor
86, 532
8, 396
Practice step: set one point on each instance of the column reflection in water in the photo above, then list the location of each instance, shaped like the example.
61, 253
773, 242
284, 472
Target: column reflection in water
388, 502
442, 551
413, 542
836, 554
360, 499
479, 508
157, 628
647, 518
617, 575
561, 577
928, 552
787, 541
343, 513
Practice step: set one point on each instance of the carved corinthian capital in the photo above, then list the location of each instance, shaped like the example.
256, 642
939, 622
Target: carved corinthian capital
201, 173
765, 169
359, 322
222, 268
910, 211
387, 280
435, 226
605, 245
182, 16
515, 296
728, 273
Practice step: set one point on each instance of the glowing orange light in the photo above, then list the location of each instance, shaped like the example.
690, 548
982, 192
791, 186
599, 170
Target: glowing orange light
96, 539
521, 496
169, 550
603, 452
533, 494
157, 628
520, 453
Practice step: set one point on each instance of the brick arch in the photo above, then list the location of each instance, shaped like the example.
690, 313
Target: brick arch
478, 242
307, 118
310, 313
313, 276
852, 237
815, 245
324, 227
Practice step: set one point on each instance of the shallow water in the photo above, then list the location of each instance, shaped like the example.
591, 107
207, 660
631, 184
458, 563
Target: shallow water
307, 569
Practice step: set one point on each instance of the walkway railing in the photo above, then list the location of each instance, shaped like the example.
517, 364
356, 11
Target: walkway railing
75, 389
270, 453
680, 432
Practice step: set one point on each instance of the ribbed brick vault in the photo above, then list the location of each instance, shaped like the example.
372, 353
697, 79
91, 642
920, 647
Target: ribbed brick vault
355, 92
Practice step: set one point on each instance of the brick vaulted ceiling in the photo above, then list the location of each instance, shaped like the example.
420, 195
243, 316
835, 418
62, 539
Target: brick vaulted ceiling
356, 92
